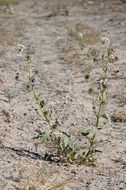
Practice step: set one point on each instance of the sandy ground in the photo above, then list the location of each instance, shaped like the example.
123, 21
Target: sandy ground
50, 34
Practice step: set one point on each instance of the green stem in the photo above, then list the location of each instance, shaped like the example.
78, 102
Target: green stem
99, 111
37, 98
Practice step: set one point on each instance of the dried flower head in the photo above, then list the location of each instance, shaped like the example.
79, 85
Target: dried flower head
17, 76
36, 72
28, 57
87, 76
91, 90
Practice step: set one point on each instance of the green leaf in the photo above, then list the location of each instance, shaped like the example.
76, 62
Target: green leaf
85, 132
99, 128
42, 104
73, 155
45, 113
66, 139
45, 136
68, 150
98, 150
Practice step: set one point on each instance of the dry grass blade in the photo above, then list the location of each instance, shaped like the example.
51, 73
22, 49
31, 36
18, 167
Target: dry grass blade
40, 177
60, 184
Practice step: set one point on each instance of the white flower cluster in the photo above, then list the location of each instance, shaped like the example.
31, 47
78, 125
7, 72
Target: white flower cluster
104, 41
20, 49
